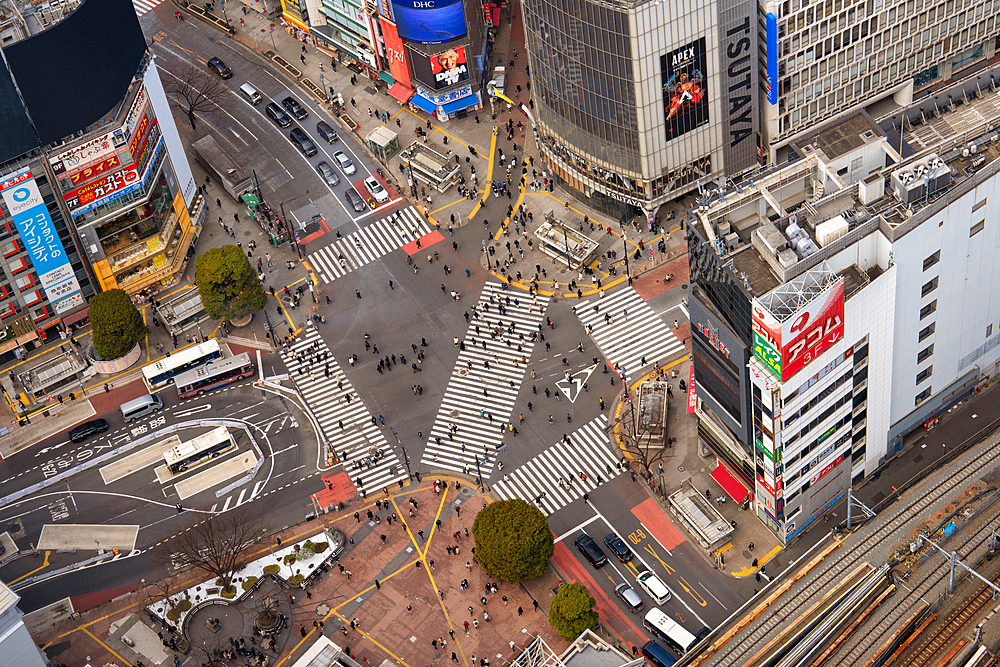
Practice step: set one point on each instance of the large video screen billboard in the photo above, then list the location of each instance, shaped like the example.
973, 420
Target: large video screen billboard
785, 348
442, 70
684, 76
429, 21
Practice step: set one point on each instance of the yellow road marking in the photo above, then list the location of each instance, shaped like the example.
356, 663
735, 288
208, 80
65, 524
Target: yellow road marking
44, 565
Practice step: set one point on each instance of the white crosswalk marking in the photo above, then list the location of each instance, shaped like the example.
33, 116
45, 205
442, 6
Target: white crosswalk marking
489, 364
369, 243
358, 441
143, 6
587, 452
628, 331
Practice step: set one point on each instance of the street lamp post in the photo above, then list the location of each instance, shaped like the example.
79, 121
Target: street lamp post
628, 274
479, 472
406, 459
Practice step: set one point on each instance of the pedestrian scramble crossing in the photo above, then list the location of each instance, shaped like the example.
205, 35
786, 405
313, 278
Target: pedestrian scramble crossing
480, 396
360, 445
628, 331
143, 6
369, 243
564, 471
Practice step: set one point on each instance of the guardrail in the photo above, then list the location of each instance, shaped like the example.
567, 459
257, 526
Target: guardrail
326, 451
27, 581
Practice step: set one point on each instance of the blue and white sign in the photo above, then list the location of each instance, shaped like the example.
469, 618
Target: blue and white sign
24, 201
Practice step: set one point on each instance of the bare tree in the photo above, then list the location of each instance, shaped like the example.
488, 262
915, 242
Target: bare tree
218, 544
641, 439
195, 90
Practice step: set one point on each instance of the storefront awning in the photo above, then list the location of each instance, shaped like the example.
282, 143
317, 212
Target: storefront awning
423, 103
729, 483
77, 316
460, 103
401, 92
385, 76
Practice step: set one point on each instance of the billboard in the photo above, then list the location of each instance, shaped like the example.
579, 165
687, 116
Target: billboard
772, 58
684, 76
24, 202
442, 70
395, 53
429, 21
785, 348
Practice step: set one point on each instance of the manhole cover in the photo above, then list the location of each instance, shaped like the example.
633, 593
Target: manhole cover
684, 286
246, 233
454, 414
680, 468
370, 90
462, 372
322, 609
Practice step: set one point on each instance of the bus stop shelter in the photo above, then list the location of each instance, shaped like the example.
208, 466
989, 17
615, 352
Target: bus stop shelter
383, 142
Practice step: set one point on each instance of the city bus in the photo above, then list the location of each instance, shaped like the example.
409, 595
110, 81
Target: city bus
657, 655
163, 371
205, 446
212, 375
668, 631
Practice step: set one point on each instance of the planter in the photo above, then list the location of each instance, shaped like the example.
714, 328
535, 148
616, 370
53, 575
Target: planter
112, 366
240, 321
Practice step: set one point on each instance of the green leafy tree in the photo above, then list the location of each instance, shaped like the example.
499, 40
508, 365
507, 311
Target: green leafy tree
513, 540
572, 611
228, 285
116, 322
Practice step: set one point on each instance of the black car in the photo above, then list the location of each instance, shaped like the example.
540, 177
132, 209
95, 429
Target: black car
302, 141
293, 107
220, 68
618, 548
588, 547
355, 200
325, 131
278, 115
84, 431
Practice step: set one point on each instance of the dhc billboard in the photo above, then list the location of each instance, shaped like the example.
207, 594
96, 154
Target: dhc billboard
429, 21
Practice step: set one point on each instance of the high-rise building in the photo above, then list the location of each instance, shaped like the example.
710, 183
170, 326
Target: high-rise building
17, 648
636, 103
830, 58
845, 299
95, 188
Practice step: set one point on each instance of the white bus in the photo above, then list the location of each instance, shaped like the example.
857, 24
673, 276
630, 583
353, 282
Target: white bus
213, 375
207, 445
669, 631
163, 371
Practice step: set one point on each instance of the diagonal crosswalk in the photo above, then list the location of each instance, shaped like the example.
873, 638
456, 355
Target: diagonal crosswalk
369, 243
143, 6
564, 471
360, 445
479, 399
627, 330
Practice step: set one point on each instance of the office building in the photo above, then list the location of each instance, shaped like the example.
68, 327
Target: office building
17, 648
637, 103
845, 299
95, 185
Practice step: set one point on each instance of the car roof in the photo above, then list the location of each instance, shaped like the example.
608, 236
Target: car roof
290, 98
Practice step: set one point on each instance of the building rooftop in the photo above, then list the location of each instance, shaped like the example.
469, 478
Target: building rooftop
8, 598
841, 138
590, 650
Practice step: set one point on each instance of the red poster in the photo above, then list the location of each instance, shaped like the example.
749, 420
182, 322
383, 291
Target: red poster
395, 53
692, 397
818, 326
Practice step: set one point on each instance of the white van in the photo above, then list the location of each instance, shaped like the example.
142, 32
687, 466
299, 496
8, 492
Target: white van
250, 94
652, 585
140, 407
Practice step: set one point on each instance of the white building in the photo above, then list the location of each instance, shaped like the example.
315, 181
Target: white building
843, 300
17, 648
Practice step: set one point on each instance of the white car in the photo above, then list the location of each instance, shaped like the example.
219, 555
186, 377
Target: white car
374, 187
344, 163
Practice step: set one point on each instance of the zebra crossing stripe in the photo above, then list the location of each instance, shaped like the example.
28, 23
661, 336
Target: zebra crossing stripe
358, 439
484, 385
628, 331
368, 244
143, 6
579, 464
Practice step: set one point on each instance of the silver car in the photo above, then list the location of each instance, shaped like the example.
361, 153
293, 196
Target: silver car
344, 162
327, 174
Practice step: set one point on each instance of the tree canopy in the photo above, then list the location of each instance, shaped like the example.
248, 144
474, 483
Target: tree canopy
116, 322
228, 285
513, 540
572, 611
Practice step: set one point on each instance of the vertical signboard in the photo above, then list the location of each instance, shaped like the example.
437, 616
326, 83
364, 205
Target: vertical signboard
24, 201
738, 44
786, 348
683, 74
395, 53
772, 58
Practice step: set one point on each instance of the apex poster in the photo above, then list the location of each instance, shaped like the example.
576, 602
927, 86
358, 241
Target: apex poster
685, 97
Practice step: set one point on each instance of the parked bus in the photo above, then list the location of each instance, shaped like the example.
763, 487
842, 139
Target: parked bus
163, 371
207, 445
669, 631
657, 655
212, 375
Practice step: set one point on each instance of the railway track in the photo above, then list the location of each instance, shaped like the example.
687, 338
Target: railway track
729, 655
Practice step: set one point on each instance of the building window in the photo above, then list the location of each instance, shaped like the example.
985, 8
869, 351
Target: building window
922, 396
932, 260
928, 309
989, 330
979, 204
924, 374
23, 282
8, 248
924, 353
976, 228
929, 286
17, 264
927, 331
32, 298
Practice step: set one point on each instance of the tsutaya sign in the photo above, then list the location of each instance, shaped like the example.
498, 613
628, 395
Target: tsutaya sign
785, 348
